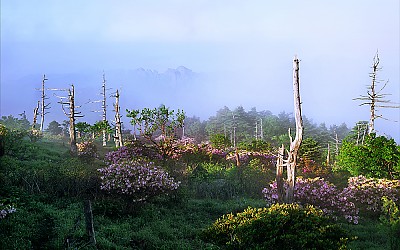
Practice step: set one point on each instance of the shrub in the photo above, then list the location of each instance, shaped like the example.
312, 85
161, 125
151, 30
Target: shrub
378, 157
362, 195
138, 178
367, 193
87, 150
391, 219
130, 151
288, 226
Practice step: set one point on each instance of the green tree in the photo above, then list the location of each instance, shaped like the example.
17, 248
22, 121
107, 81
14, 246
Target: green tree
195, 128
97, 128
82, 128
378, 157
12, 122
54, 128
220, 141
158, 126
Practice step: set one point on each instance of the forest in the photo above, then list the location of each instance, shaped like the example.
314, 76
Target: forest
176, 182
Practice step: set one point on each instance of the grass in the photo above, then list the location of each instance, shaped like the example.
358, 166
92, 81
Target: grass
49, 188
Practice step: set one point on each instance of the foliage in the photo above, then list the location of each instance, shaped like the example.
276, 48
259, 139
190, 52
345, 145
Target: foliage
219, 141
14, 123
391, 218
287, 226
309, 151
161, 122
6, 209
54, 128
131, 150
82, 128
378, 157
98, 128
267, 158
138, 179
256, 145
361, 196
87, 150
35, 135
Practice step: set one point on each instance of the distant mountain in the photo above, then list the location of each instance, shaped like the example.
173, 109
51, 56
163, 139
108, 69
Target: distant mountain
170, 76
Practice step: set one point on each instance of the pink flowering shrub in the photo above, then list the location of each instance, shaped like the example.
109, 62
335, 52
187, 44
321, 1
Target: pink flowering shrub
137, 178
87, 149
361, 195
367, 193
245, 156
320, 193
131, 150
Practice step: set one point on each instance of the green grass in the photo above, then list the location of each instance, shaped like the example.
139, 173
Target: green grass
49, 187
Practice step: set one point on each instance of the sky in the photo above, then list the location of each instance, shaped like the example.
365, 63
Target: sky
249, 45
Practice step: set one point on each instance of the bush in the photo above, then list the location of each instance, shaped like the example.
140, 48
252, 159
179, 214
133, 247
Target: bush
138, 179
361, 196
391, 219
378, 157
287, 226
87, 150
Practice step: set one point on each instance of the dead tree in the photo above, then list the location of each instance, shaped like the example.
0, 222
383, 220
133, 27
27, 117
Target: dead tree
291, 161
103, 110
279, 173
43, 106
104, 107
35, 114
294, 144
374, 98
72, 115
118, 125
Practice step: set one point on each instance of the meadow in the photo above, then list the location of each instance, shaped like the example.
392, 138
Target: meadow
44, 187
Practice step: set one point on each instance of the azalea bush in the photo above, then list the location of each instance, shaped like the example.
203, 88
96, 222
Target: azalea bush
139, 179
267, 159
320, 193
131, 150
367, 193
87, 150
361, 196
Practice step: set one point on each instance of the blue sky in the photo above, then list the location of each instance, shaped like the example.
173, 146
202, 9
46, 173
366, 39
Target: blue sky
251, 44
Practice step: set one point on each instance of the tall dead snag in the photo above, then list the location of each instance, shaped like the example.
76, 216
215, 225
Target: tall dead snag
72, 130
72, 115
35, 114
43, 106
279, 173
294, 144
374, 97
118, 125
104, 107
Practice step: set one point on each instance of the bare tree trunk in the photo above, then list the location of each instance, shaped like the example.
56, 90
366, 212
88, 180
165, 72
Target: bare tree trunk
35, 114
279, 174
118, 129
328, 155
44, 106
295, 144
104, 106
72, 130
373, 95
